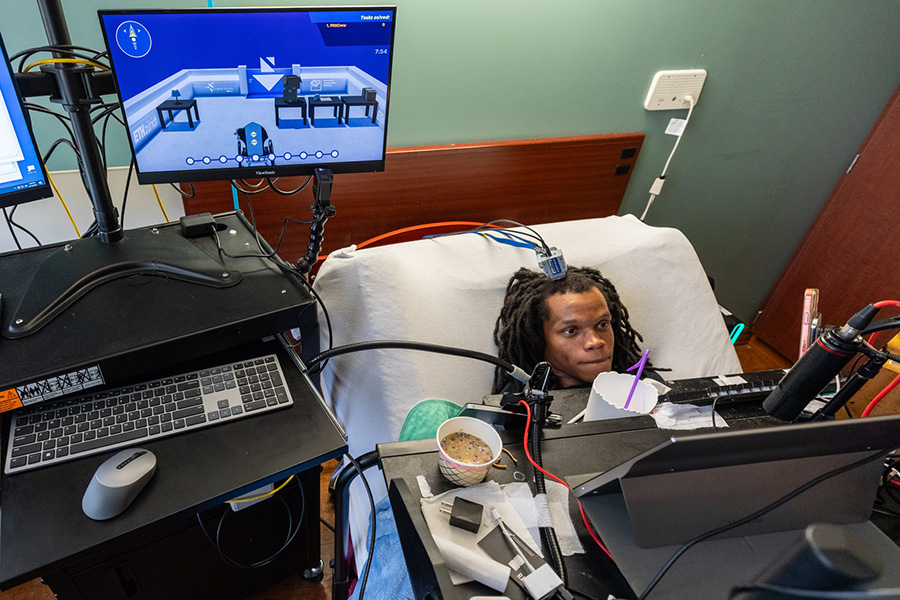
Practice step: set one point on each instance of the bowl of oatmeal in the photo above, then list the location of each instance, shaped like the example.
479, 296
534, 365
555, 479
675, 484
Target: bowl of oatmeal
468, 447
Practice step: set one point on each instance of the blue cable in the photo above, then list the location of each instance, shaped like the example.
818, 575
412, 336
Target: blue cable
518, 236
514, 235
736, 332
510, 242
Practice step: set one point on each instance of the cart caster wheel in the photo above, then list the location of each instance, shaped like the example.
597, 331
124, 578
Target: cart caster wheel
316, 574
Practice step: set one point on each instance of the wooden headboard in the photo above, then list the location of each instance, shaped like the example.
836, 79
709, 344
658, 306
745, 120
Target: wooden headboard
530, 181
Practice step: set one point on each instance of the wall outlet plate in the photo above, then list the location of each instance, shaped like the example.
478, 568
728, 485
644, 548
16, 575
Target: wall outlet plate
668, 89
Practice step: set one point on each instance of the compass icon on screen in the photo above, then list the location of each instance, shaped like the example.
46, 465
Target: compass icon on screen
133, 39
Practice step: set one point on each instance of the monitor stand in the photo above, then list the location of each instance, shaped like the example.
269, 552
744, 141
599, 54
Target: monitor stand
75, 268
78, 266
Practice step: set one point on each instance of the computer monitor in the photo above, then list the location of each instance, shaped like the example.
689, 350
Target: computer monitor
22, 174
205, 97
690, 484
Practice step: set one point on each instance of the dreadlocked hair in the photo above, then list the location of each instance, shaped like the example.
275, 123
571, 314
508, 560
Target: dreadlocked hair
519, 332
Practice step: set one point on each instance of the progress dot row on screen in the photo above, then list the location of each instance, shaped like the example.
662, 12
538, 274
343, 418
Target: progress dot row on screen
257, 157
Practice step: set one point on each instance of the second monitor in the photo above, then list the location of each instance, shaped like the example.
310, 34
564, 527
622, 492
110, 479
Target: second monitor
246, 93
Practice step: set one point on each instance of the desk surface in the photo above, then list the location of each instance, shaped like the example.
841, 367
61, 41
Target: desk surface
43, 527
571, 450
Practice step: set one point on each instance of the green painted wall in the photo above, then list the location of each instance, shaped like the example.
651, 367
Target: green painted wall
793, 88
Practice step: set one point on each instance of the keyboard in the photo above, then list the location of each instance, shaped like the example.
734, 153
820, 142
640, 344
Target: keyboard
753, 387
52, 432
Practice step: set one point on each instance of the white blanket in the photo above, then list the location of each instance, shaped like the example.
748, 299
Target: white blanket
449, 291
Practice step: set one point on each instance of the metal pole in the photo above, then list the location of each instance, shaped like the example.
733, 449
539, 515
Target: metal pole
70, 80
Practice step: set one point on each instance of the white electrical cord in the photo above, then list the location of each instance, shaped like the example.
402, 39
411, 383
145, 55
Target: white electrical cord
656, 188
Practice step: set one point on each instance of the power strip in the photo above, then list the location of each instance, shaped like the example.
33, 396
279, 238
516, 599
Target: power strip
668, 89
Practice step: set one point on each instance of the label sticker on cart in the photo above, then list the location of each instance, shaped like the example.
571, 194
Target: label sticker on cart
9, 400
58, 385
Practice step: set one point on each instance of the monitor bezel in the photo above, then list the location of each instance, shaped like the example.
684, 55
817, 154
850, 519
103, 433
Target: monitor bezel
238, 173
39, 192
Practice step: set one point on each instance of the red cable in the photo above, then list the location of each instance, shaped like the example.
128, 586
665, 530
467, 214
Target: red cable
396, 232
896, 380
882, 304
881, 396
555, 478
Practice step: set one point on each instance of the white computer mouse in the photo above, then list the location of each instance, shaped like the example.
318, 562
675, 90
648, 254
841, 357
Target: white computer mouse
117, 482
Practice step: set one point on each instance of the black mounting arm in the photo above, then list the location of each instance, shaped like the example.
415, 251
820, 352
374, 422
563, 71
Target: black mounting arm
73, 269
45, 85
76, 92
322, 210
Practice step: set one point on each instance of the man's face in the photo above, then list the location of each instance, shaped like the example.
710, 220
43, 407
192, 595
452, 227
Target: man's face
578, 337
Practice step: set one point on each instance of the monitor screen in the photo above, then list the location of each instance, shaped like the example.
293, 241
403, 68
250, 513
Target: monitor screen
22, 174
246, 93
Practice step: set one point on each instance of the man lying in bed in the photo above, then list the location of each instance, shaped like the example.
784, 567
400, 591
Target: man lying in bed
576, 323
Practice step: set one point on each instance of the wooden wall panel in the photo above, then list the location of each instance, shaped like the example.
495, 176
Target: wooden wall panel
850, 251
530, 181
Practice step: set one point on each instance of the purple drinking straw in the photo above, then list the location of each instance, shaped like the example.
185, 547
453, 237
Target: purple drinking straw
640, 369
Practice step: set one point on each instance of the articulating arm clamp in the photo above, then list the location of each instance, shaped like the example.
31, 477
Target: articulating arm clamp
321, 210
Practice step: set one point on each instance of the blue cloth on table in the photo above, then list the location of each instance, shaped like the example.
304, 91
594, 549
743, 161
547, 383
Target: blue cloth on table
388, 576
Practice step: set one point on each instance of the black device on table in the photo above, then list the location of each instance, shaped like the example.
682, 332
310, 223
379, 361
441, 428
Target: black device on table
367, 98
173, 107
